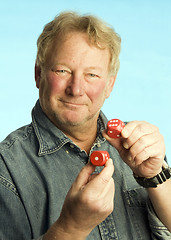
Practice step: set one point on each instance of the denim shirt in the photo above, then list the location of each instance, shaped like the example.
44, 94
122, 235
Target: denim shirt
38, 165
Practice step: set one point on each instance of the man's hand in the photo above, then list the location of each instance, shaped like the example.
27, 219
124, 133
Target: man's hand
89, 201
141, 147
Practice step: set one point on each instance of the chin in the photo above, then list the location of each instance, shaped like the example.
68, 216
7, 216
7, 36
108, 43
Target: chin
75, 121
68, 120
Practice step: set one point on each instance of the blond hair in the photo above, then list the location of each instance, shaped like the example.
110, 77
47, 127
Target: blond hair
100, 34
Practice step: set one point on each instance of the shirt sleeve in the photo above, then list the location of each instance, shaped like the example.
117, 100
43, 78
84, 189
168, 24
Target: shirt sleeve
158, 230
14, 223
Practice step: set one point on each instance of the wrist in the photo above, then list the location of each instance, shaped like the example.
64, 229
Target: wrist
70, 232
60, 231
152, 182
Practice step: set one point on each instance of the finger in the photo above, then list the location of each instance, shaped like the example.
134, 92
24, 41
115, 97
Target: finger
83, 177
91, 177
142, 143
135, 130
151, 152
104, 177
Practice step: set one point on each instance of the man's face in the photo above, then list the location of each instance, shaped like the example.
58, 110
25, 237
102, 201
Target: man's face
76, 83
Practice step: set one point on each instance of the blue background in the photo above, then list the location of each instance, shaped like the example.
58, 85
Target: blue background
143, 87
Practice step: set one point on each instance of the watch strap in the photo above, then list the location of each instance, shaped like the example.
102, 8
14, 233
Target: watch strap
154, 181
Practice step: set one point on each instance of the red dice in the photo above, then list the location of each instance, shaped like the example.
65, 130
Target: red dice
99, 158
114, 128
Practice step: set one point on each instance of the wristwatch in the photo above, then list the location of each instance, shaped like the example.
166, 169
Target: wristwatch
154, 181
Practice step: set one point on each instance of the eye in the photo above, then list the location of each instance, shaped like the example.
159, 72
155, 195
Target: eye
61, 71
92, 75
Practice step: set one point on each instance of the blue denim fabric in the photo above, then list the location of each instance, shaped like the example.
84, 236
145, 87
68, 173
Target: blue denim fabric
38, 164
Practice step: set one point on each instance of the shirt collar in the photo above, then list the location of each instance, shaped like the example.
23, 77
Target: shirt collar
50, 138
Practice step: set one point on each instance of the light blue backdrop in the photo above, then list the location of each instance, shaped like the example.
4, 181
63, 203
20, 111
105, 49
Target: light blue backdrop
143, 87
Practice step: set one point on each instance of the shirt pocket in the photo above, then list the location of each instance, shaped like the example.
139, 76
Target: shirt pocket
136, 197
135, 203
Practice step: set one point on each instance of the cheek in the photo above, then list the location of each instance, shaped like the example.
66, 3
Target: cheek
97, 91
54, 85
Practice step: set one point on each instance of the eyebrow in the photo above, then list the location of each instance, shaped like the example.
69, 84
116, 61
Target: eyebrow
61, 64
94, 68
87, 68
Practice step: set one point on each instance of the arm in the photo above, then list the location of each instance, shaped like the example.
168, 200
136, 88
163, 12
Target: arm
142, 148
160, 198
88, 203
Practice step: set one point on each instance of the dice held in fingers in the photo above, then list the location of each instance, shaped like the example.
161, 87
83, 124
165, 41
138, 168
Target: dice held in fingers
114, 128
99, 158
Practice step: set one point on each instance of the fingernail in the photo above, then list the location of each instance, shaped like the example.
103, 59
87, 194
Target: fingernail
125, 133
129, 158
125, 144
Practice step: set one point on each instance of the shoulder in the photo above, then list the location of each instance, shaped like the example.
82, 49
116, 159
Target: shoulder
15, 137
11, 149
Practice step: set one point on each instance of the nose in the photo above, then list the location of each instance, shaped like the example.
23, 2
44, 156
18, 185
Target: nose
75, 86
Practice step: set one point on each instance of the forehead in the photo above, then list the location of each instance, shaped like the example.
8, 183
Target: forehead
76, 44
91, 40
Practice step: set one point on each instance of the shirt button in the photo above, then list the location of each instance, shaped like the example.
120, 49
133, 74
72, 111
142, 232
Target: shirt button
71, 146
98, 145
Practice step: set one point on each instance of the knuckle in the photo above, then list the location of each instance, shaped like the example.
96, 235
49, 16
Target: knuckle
146, 153
103, 207
132, 152
142, 127
142, 141
90, 203
141, 156
105, 180
85, 198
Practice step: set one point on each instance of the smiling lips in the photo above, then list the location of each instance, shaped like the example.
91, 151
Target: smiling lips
72, 104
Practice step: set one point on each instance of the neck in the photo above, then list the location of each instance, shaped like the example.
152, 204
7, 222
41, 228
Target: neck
82, 136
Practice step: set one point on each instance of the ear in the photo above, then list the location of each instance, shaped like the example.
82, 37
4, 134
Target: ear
110, 85
37, 75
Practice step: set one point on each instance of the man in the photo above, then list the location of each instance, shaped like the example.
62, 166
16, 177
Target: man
48, 188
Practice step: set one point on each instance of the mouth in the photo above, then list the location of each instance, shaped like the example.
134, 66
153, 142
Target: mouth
72, 104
